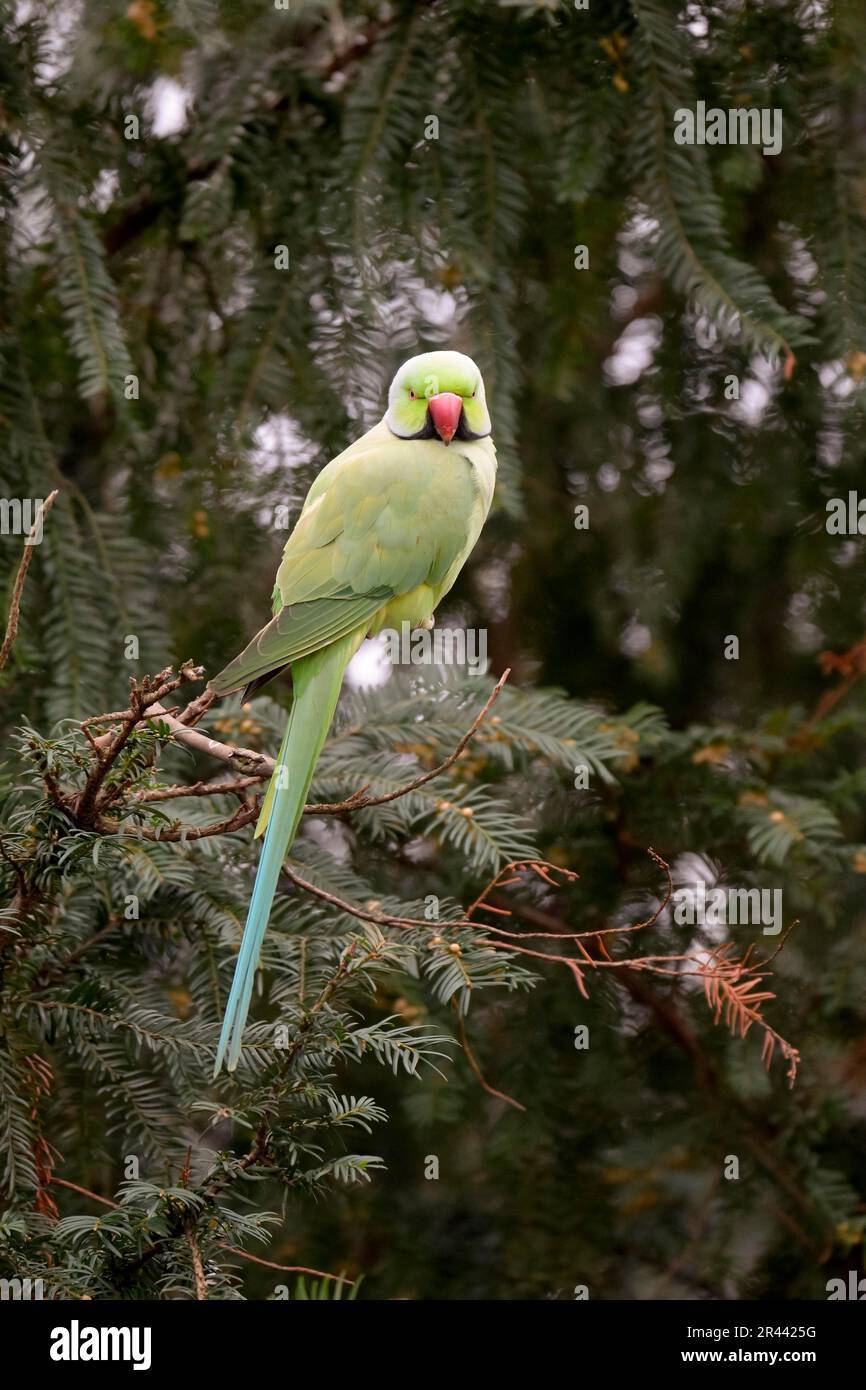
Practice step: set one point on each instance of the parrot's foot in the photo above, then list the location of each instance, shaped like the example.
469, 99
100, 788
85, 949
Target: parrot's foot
427, 624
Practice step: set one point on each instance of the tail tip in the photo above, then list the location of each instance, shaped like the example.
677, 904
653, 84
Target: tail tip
223, 1064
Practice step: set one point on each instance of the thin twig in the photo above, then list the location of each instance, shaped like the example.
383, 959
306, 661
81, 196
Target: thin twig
181, 790
83, 1191
18, 586
479, 1075
285, 1269
358, 800
180, 831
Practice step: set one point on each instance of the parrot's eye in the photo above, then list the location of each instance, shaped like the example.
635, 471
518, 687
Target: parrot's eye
411, 394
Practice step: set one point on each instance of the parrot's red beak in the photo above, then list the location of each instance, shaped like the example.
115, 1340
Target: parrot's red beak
445, 411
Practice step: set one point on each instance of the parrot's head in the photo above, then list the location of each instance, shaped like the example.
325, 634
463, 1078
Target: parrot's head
438, 395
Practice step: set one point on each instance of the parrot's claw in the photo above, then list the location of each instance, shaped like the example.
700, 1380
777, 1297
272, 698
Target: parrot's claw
427, 624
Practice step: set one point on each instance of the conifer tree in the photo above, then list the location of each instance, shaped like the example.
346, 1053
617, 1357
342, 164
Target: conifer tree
503, 1045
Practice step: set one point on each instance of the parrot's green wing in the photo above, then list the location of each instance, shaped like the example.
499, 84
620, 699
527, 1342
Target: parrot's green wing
298, 630
378, 521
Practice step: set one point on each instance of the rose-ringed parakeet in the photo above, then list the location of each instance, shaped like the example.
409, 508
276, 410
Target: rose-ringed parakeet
384, 532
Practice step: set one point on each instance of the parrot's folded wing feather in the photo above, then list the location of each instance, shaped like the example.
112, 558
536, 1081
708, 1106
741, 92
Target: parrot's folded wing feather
297, 630
380, 520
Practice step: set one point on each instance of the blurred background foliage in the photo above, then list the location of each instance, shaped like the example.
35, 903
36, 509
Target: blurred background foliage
431, 171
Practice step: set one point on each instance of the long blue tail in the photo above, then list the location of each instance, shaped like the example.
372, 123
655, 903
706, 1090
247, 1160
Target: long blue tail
317, 682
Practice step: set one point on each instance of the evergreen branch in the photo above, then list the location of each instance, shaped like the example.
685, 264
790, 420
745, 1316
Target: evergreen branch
737, 300
146, 704
735, 982
228, 753
144, 696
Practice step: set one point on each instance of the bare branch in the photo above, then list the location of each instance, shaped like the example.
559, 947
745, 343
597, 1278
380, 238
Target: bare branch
180, 830
477, 1072
243, 759
83, 1191
18, 586
259, 765
181, 789
287, 1269
146, 705
197, 1266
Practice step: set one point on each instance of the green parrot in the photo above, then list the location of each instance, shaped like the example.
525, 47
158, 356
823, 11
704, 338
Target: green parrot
385, 530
